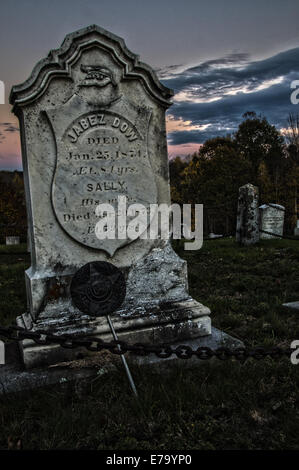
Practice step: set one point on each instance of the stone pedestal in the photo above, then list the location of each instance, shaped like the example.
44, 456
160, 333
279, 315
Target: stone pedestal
247, 230
12, 240
157, 309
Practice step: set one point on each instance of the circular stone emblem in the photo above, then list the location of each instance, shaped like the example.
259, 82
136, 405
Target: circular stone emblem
98, 288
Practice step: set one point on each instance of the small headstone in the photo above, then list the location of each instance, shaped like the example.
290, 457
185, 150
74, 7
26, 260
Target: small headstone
292, 307
215, 235
12, 240
296, 229
92, 120
247, 230
271, 220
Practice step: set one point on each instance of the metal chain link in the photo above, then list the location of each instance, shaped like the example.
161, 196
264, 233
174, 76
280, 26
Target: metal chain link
162, 351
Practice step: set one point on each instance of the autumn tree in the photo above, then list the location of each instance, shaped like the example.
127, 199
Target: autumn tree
212, 178
260, 143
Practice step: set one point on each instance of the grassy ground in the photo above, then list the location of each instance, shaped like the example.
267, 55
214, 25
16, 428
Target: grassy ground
220, 405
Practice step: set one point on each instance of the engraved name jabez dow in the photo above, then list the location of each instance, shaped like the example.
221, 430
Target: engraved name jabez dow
101, 153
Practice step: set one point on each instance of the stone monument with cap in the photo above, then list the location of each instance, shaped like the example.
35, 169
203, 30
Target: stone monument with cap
271, 220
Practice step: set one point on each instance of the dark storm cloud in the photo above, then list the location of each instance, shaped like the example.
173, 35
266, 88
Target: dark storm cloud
233, 71
239, 86
196, 137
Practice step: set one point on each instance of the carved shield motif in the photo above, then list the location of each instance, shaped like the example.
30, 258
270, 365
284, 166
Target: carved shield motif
102, 153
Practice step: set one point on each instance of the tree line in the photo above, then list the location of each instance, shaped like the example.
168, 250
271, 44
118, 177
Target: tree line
256, 153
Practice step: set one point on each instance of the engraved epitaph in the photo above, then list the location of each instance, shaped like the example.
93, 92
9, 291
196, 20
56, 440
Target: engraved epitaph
101, 151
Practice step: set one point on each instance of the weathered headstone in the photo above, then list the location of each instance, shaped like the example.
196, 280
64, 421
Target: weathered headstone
92, 120
271, 220
296, 229
247, 230
12, 240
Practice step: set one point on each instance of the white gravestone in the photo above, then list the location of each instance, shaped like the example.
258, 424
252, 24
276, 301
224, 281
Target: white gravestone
296, 229
12, 240
271, 220
92, 120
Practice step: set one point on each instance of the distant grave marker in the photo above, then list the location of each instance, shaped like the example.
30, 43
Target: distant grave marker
247, 230
12, 240
271, 220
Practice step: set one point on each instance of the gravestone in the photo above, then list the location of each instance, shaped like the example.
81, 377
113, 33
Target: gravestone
291, 307
247, 230
92, 120
296, 229
271, 220
12, 240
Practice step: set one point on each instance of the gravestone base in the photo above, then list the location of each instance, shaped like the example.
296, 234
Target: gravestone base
157, 308
82, 372
164, 323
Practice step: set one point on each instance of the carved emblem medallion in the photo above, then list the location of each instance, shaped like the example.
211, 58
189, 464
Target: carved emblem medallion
98, 288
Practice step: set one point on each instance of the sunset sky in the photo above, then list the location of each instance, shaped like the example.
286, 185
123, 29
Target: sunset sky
222, 58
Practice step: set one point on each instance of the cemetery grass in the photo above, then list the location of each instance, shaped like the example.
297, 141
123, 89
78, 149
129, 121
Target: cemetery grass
220, 405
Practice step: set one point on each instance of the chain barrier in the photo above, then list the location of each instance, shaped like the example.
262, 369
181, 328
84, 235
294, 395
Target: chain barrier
162, 351
279, 236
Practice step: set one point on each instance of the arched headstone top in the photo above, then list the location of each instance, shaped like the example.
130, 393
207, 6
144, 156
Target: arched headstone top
59, 63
